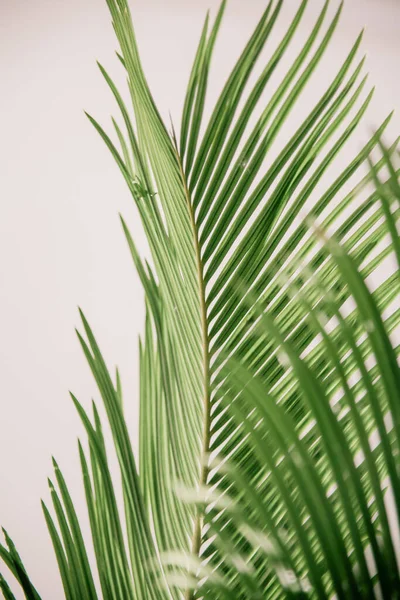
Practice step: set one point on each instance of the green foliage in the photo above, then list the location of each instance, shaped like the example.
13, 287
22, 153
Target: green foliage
269, 382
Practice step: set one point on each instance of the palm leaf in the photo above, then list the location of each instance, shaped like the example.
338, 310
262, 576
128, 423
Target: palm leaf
291, 510
235, 362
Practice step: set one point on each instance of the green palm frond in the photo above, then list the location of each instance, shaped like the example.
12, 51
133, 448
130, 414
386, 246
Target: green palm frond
12, 560
312, 518
269, 424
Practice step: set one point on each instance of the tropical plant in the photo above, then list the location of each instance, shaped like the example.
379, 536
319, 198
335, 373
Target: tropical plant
269, 384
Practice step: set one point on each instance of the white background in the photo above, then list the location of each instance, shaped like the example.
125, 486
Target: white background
60, 239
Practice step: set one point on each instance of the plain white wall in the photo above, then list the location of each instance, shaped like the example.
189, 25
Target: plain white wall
60, 239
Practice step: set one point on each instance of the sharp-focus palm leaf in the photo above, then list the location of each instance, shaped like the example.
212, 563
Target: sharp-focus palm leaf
318, 491
268, 380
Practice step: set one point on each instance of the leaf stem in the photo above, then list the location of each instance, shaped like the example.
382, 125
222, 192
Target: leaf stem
204, 469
